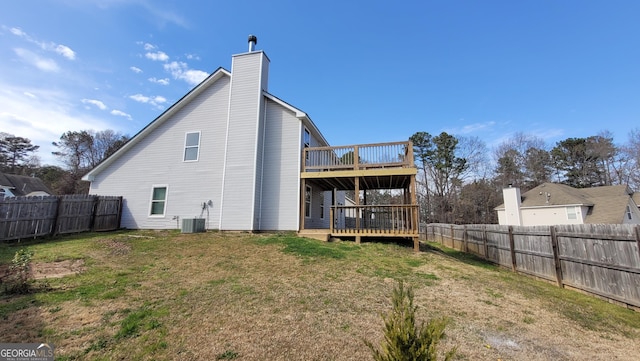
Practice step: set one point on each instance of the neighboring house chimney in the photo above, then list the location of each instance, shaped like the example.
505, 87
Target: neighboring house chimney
253, 40
512, 200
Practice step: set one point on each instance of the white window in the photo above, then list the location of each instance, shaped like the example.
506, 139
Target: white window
322, 206
158, 200
307, 201
572, 213
191, 146
629, 213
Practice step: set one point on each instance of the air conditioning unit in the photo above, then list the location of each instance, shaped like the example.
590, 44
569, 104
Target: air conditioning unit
192, 225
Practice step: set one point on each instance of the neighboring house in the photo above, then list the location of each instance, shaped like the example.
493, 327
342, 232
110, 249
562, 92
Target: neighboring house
551, 204
231, 152
12, 185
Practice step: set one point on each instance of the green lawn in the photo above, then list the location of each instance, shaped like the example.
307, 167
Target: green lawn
162, 295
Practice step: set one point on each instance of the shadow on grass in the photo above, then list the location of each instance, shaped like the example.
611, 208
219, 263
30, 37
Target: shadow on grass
9, 248
467, 258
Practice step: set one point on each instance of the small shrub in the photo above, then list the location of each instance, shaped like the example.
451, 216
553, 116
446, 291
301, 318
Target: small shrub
19, 273
227, 355
403, 339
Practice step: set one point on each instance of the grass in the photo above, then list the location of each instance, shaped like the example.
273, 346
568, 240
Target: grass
165, 295
590, 312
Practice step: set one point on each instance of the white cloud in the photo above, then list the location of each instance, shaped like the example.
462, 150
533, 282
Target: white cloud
149, 47
30, 95
180, 70
135, 69
155, 101
48, 46
66, 52
164, 81
471, 128
192, 57
121, 114
157, 56
34, 59
44, 117
18, 32
97, 103
140, 98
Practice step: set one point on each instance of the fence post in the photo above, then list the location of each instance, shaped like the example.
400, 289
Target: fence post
453, 240
556, 256
512, 247
54, 230
94, 213
638, 238
484, 239
464, 238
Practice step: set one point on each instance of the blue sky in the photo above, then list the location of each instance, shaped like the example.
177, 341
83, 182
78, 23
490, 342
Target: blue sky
365, 72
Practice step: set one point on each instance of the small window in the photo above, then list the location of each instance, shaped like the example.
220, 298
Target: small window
307, 138
158, 200
322, 206
307, 142
629, 213
307, 202
191, 146
571, 213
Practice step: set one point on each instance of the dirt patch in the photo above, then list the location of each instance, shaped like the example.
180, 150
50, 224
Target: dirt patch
50, 269
57, 269
116, 248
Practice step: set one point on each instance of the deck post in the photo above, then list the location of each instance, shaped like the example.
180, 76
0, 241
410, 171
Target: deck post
303, 201
332, 219
357, 201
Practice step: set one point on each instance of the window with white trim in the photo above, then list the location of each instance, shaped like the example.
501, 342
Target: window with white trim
307, 201
629, 216
572, 213
158, 200
191, 146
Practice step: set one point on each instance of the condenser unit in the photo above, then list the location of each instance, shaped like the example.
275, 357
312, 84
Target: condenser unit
192, 225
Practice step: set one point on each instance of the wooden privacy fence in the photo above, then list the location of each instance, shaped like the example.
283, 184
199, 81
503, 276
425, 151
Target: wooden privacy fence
29, 217
601, 259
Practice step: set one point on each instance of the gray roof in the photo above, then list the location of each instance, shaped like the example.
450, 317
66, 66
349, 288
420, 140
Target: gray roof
22, 185
607, 204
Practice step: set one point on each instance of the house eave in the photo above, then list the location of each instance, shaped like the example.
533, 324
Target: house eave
298, 113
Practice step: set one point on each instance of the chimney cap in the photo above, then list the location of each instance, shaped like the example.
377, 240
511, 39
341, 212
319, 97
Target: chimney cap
253, 38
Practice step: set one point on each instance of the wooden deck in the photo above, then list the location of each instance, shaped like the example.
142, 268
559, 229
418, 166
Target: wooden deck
381, 166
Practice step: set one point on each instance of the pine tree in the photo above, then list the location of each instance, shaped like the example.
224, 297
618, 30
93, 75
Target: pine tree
403, 339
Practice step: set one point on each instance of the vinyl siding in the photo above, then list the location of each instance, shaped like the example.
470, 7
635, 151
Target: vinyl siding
280, 183
158, 159
315, 221
243, 138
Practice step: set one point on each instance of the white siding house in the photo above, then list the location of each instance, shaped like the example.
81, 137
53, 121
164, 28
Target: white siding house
553, 204
228, 152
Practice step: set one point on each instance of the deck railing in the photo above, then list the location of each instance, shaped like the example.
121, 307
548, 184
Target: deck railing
373, 220
355, 157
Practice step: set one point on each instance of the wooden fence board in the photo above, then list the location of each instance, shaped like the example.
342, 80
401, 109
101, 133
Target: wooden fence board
29, 217
599, 259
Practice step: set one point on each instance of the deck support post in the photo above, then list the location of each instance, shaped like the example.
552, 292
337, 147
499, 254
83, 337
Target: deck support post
303, 203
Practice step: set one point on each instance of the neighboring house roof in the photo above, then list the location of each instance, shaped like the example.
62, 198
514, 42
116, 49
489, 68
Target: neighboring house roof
20, 185
607, 204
